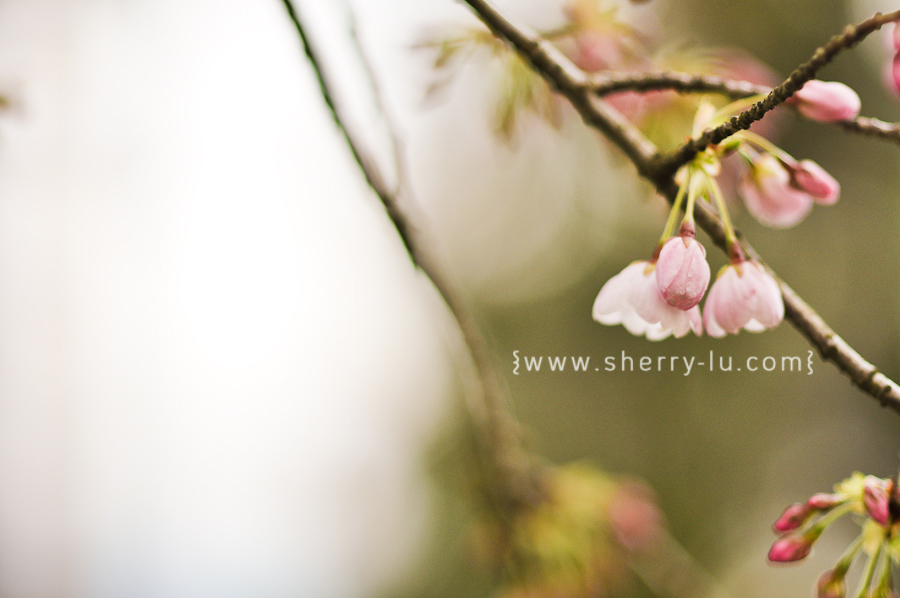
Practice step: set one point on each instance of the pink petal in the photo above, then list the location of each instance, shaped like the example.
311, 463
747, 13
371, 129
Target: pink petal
768, 309
682, 273
876, 496
769, 196
632, 298
812, 178
610, 301
743, 296
895, 73
826, 101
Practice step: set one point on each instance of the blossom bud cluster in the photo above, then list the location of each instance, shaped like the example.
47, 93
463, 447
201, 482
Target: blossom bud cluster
660, 297
873, 498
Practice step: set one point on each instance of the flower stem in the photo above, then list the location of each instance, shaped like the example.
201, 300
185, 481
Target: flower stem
767, 145
716, 192
843, 563
676, 209
866, 579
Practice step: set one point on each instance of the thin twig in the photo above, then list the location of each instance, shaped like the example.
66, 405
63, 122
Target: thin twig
571, 82
512, 477
608, 83
852, 35
611, 82
873, 127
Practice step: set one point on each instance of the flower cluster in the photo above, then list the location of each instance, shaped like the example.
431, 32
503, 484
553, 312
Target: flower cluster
660, 297
876, 501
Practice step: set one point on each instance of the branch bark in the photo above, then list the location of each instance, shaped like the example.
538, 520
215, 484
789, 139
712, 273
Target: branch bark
572, 83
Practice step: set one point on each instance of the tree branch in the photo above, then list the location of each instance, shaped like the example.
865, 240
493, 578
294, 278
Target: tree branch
511, 477
606, 83
612, 82
852, 35
569, 81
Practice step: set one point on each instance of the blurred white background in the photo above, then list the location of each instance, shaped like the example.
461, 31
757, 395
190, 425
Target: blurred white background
218, 369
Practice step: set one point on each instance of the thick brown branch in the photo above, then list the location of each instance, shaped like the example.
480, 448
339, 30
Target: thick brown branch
571, 83
851, 36
511, 476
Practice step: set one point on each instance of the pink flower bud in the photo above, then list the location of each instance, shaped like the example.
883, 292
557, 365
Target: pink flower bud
876, 496
825, 101
810, 177
895, 36
893, 75
682, 272
790, 548
743, 296
823, 501
632, 298
831, 584
770, 196
793, 517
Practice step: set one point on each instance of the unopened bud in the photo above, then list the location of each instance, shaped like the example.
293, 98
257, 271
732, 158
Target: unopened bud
825, 101
791, 548
831, 584
808, 176
876, 496
793, 517
824, 501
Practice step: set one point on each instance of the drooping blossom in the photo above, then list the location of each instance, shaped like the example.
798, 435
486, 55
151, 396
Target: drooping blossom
744, 296
682, 272
770, 196
812, 178
632, 298
825, 101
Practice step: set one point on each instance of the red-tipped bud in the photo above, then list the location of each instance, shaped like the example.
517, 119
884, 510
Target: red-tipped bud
876, 496
790, 548
831, 584
823, 501
793, 517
